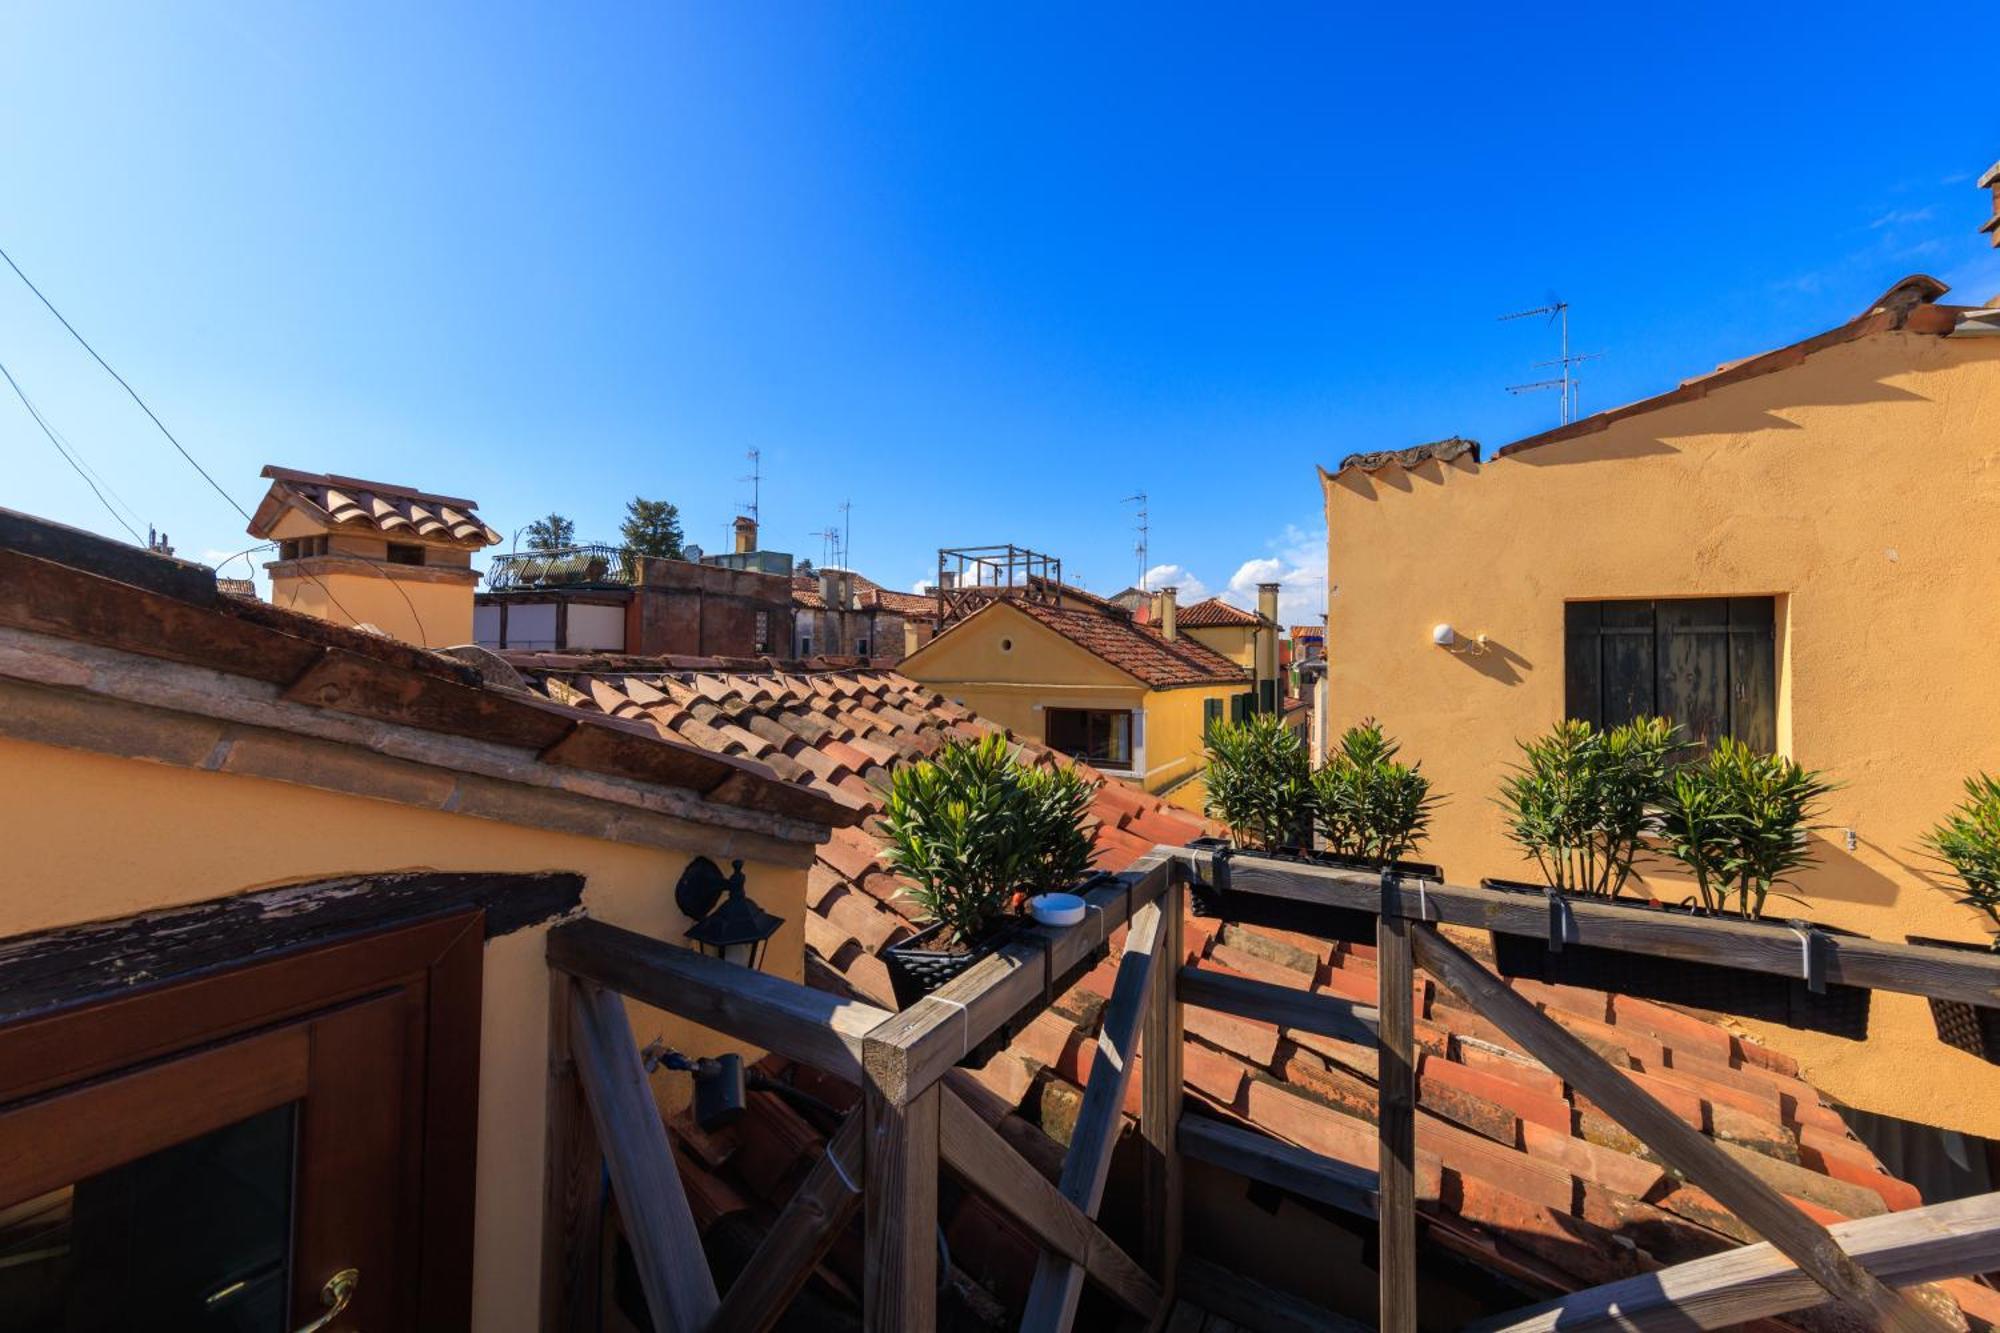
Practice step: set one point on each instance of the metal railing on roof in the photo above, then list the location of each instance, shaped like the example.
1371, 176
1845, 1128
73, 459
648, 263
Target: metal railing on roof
566, 566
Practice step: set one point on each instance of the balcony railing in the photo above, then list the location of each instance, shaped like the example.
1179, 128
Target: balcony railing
567, 566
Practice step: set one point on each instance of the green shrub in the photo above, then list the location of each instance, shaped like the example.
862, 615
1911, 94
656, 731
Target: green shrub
1739, 821
1582, 800
969, 827
1968, 840
1259, 781
1366, 804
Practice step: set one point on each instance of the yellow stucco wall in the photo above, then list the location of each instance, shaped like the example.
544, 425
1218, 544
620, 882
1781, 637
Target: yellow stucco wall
1238, 643
1009, 668
416, 610
89, 837
1861, 487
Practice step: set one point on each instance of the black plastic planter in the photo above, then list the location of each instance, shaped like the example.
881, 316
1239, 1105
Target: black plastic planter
1839, 1010
1348, 924
1974, 1028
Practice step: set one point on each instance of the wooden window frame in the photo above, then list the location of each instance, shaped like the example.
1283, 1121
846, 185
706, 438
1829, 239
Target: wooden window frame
1644, 631
1130, 716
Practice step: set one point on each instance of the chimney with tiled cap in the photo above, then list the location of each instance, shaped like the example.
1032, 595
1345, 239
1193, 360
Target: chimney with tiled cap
1170, 626
389, 558
1267, 647
746, 534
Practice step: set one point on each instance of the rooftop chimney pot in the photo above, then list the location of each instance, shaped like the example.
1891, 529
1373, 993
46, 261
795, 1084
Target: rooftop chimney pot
1170, 625
746, 534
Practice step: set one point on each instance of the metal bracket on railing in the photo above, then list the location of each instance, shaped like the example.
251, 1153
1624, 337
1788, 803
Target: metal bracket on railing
1562, 922
1812, 954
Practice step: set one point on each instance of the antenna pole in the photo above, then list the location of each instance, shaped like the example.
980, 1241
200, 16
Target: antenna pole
1145, 532
847, 534
756, 480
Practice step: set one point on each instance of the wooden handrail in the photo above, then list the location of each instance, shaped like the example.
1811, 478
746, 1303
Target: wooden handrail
911, 1051
799, 1023
1912, 969
1757, 1282
1256, 1156
1306, 1011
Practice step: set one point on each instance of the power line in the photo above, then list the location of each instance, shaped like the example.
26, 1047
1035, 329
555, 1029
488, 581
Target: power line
82, 342
50, 432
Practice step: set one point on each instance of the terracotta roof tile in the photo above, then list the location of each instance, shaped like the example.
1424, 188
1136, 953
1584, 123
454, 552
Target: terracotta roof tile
1138, 650
394, 511
1212, 613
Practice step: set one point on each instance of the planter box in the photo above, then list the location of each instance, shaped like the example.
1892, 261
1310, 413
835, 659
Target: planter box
1973, 1028
1348, 924
1839, 1010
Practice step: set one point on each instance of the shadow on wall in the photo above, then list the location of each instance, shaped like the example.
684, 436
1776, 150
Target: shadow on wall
1495, 661
1369, 485
1723, 414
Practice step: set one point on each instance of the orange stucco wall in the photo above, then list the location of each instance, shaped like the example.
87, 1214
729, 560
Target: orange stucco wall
1860, 488
90, 837
428, 614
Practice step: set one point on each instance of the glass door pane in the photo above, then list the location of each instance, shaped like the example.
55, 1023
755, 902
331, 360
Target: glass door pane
197, 1236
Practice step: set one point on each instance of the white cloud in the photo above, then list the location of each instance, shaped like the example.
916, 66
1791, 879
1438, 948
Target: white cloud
1898, 217
1297, 565
1192, 589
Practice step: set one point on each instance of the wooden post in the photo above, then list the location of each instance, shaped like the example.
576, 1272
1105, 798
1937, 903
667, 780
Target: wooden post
572, 1197
666, 1247
901, 1209
1160, 1094
1395, 1051
799, 1239
1687, 1150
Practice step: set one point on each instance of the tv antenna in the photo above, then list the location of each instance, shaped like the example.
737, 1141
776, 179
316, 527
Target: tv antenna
827, 538
846, 534
1145, 531
756, 480
1557, 310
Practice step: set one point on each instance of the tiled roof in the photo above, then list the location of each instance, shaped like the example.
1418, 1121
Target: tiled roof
1444, 451
1138, 650
394, 511
868, 595
1214, 612
1515, 1171
1307, 631
61, 581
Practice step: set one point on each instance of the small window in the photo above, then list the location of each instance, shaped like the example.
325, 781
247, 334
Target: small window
861, 647
1006, 645
1211, 713
805, 645
1709, 663
288, 550
403, 554
1093, 735
763, 632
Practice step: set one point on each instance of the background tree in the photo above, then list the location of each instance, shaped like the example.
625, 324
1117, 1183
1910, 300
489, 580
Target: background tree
804, 567
551, 533
652, 527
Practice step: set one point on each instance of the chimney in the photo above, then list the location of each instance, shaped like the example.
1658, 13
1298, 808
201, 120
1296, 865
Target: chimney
1267, 647
1170, 625
746, 534
829, 588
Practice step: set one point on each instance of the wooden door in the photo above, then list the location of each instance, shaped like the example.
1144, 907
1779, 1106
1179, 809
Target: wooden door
210, 1153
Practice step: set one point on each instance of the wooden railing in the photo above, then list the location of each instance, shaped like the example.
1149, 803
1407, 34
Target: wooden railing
913, 1120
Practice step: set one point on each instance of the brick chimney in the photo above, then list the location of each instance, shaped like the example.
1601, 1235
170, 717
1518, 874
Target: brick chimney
746, 534
1170, 621
1267, 647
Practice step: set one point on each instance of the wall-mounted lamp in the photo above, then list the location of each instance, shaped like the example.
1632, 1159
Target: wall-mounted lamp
738, 929
1445, 637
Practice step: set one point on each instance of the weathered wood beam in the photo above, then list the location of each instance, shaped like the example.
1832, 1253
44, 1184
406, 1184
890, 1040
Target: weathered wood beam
811, 1026
1686, 1150
901, 1213
1236, 1303
666, 1246
1307, 1011
1757, 1281
1258, 1157
913, 1049
1058, 1282
1161, 1094
1913, 969
987, 1162
1396, 1116
800, 1238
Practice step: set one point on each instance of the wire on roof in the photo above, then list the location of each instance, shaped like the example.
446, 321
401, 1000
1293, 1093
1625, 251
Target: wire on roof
49, 431
82, 342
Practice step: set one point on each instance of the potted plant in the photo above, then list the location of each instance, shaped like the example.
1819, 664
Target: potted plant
1371, 810
1259, 782
1968, 841
1587, 805
976, 832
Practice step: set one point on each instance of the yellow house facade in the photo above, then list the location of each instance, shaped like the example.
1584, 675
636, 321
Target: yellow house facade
1085, 679
368, 553
1821, 518
201, 791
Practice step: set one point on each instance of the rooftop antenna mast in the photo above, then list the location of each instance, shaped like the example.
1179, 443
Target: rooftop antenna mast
1557, 310
1145, 532
756, 480
846, 534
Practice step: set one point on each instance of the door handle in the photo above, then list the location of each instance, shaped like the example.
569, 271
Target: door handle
335, 1295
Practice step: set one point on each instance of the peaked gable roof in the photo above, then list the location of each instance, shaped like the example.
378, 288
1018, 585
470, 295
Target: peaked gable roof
1215, 613
1113, 637
394, 511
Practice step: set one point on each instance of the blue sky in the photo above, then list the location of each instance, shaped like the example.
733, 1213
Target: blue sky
982, 272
